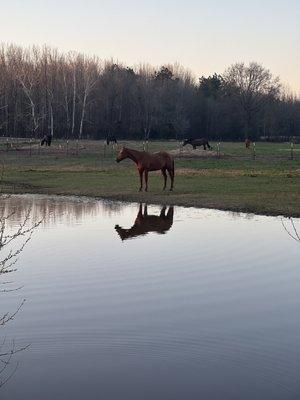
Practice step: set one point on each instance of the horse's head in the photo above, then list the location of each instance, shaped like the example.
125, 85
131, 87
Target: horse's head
123, 233
122, 154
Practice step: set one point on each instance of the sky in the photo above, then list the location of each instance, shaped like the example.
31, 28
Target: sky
203, 36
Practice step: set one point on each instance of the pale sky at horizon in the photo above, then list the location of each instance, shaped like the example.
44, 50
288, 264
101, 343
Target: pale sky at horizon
205, 37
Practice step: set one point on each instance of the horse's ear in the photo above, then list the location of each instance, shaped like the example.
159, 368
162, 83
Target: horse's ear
119, 147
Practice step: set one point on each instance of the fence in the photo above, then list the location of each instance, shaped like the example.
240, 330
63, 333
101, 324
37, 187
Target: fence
80, 148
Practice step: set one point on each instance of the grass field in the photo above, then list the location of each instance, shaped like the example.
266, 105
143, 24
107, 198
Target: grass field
268, 183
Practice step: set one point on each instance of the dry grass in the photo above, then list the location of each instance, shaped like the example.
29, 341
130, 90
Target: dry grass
191, 153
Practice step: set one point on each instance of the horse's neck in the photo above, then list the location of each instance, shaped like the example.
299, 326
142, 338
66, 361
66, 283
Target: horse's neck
134, 155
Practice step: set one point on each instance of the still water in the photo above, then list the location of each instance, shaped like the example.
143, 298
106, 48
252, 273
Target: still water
124, 302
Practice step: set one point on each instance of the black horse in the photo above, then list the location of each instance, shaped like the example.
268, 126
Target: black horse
197, 142
111, 139
46, 140
145, 223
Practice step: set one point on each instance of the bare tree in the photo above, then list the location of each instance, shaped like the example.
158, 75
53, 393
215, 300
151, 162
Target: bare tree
292, 231
251, 85
89, 79
146, 100
8, 260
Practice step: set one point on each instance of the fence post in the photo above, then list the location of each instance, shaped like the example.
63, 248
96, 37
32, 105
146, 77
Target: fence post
292, 150
7, 144
77, 148
30, 147
218, 149
254, 151
104, 156
67, 148
180, 148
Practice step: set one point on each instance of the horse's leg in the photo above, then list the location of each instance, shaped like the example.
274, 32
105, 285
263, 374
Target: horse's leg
141, 179
171, 173
163, 171
145, 210
204, 146
140, 209
146, 180
163, 212
170, 212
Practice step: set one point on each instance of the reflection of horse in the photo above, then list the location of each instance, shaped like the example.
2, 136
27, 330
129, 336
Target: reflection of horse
111, 139
47, 139
197, 142
247, 143
145, 223
146, 162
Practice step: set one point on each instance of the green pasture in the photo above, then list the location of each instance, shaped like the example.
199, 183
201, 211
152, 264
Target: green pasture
266, 181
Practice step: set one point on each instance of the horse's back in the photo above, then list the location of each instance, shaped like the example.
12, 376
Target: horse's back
156, 161
200, 141
166, 157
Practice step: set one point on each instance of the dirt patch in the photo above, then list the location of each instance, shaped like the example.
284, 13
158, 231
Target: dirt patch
194, 171
191, 153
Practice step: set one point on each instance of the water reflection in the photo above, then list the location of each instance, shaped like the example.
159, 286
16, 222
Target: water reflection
145, 223
209, 308
53, 210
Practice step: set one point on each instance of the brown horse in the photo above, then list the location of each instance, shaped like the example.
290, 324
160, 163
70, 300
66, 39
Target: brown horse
145, 223
146, 162
197, 142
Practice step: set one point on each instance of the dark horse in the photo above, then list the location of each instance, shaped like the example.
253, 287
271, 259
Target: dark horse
197, 142
146, 162
111, 139
247, 143
145, 223
46, 140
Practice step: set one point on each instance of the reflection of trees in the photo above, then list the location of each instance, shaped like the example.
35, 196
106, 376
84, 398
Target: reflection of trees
291, 229
112, 207
12, 244
145, 223
55, 209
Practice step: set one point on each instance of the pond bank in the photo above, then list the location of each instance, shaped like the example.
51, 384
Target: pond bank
237, 204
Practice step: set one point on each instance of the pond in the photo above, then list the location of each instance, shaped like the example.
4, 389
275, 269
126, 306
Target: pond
128, 302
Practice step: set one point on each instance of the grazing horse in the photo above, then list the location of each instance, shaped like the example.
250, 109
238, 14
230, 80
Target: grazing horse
145, 223
146, 162
197, 142
248, 143
46, 140
110, 139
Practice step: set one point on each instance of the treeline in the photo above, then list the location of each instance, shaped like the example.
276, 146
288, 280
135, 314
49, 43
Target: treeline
74, 96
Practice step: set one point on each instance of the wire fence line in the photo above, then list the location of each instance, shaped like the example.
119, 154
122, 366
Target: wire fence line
29, 147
